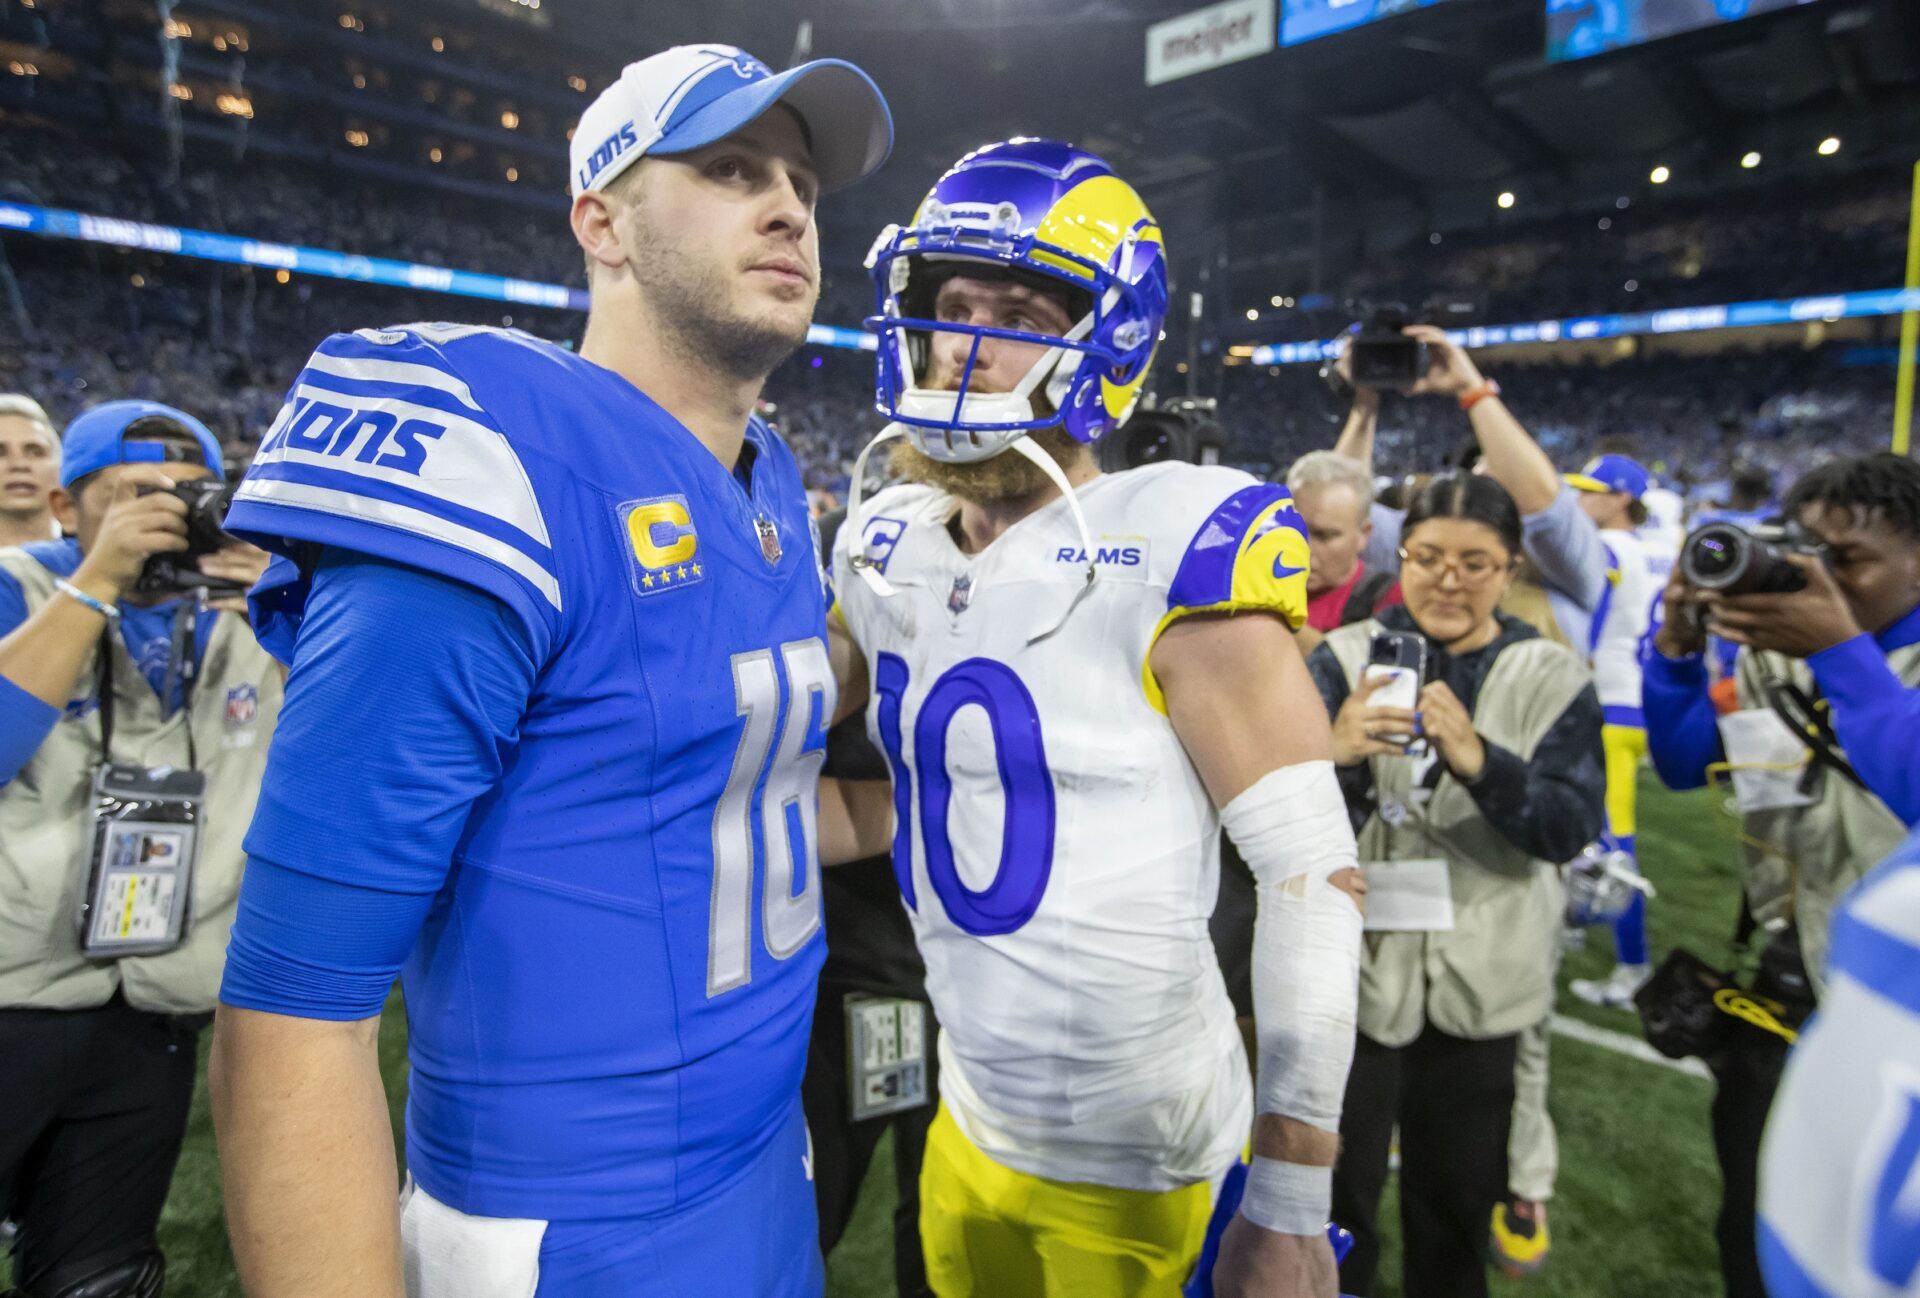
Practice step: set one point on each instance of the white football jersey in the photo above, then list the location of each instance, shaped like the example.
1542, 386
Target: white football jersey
1055, 846
1619, 623
1840, 1169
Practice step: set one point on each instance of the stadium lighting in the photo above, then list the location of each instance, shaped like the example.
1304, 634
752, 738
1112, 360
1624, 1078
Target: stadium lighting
1606, 223
1276, 300
510, 119
283, 276
359, 81
1252, 314
439, 45
434, 154
513, 175
358, 139
1660, 175
1434, 238
1505, 199
1829, 146
1750, 159
181, 91
580, 83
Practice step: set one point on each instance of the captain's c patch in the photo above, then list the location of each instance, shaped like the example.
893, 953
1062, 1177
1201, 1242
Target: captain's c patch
663, 543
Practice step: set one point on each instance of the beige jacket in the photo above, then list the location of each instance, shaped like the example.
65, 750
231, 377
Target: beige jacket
46, 821
1796, 862
1492, 975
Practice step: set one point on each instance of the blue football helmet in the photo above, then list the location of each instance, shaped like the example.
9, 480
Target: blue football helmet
1049, 215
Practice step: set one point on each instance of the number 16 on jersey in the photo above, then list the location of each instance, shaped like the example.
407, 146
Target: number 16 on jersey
786, 803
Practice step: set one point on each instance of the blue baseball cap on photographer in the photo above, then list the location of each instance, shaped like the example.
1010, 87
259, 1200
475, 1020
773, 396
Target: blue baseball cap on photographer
692, 95
99, 439
1612, 473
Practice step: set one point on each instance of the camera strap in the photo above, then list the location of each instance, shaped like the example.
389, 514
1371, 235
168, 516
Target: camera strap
1807, 718
183, 666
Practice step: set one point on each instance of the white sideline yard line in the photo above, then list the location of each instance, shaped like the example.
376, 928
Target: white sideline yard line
1622, 1044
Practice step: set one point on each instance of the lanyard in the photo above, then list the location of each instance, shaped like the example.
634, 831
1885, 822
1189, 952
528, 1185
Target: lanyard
182, 664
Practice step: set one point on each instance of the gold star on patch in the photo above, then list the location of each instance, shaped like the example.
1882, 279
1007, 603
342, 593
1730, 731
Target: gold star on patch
681, 572
666, 578
696, 570
646, 581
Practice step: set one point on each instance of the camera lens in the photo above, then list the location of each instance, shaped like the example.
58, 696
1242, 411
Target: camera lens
1714, 556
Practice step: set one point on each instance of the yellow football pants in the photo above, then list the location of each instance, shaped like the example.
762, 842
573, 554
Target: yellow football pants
991, 1232
1626, 749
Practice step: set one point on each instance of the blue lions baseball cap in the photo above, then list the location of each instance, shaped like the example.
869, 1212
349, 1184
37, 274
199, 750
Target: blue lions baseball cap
99, 439
1612, 473
691, 95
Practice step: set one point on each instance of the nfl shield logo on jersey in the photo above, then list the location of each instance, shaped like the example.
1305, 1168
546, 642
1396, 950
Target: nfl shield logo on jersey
769, 539
243, 705
961, 595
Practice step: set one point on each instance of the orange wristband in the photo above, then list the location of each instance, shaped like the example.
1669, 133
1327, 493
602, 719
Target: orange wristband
1474, 396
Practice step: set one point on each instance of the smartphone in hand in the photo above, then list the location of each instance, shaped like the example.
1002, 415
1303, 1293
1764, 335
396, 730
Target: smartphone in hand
1401, 659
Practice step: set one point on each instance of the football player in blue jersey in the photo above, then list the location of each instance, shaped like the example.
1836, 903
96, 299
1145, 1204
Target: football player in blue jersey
553, 726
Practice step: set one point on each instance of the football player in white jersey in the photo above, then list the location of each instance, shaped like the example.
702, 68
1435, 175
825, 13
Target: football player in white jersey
1840, 1170
1079, 679
1610, 490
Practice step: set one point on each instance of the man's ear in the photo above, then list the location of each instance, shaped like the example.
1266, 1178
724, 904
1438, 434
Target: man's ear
596, 230
66, 510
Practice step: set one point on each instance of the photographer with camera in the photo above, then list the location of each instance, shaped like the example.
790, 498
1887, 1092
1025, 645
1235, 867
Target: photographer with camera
1468, 748
1826, 609
135, 717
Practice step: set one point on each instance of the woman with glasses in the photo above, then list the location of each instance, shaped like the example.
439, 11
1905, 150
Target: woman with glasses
1464, 805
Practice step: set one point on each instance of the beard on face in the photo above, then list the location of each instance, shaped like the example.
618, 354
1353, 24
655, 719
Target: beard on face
691, 294
1008, 476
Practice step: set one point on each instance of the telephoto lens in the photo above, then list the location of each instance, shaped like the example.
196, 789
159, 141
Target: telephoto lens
1728, 559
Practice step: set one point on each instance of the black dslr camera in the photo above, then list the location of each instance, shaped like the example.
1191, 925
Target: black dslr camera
177, 572
1381, 354
1182, 429
1732, 560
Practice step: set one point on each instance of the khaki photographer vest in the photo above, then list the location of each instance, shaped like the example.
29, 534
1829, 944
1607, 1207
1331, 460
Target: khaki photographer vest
1492, 975
46, 821
1796, 862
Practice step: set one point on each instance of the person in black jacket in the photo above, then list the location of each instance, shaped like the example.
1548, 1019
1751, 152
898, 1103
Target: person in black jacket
871, 960
1512, 784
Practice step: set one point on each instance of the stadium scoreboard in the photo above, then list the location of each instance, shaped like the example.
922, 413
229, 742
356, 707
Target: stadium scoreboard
1579, 28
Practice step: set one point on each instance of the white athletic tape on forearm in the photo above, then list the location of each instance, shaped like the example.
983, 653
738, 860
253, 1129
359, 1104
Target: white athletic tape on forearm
1290, 1198
1292, 829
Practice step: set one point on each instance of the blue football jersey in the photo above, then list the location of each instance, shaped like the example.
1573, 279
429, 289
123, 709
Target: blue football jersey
610, 1001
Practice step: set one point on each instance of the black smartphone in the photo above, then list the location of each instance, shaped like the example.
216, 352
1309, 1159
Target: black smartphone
1402, 658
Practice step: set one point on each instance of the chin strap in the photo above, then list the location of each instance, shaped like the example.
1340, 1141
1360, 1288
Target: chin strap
868, 570
1051, 467
876, 580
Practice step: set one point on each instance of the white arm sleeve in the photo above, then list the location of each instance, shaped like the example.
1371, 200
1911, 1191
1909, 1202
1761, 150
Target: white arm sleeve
1292, 829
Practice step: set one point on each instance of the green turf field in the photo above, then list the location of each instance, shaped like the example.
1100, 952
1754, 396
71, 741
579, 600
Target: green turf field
1637, 1187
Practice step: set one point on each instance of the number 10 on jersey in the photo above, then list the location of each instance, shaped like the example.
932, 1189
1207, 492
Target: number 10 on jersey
785, 803
1026, 787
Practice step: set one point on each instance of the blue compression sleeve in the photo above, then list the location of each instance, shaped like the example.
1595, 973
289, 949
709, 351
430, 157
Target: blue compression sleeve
405, 697
1876, 720
1683, 737
24, 724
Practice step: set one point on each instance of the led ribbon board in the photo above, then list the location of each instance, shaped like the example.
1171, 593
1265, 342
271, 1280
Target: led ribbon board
1686, 319
205, 245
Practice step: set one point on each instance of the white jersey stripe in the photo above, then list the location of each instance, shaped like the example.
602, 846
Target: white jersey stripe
405, 373
326, 500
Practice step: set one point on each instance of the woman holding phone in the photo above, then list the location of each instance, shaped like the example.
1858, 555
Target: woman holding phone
1461, 838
